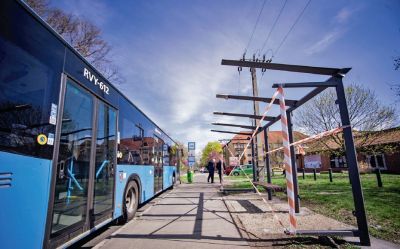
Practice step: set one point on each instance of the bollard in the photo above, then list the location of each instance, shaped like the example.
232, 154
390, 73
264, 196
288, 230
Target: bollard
304, 173
330, 175
190, 176
378, 177
315, 174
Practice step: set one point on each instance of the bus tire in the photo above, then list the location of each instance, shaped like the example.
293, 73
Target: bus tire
130, 201
235, 173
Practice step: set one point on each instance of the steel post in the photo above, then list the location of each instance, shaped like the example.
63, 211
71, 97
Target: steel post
267, 163
253, 162
179, 154
353, 166
293, 159
378, 177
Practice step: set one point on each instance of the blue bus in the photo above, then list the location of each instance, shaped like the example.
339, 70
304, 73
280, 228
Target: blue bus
75, 153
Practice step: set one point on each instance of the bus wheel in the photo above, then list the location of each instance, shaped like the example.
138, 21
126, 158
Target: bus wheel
235, 173
131, 200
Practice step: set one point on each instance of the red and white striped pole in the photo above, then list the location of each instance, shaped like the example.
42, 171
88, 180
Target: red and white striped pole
287, 163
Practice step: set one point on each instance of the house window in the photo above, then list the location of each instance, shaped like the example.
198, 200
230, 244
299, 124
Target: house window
238, 147
377, 160
338, 162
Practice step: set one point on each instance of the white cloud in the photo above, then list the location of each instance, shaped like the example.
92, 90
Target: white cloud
343, 15
327, 40
339, 21
173, 69
180, 85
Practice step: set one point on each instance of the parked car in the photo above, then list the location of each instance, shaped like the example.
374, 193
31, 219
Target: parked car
248, 168
228, 169
203, 170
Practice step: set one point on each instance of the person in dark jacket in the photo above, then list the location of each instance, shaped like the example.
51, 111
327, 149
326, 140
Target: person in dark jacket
220, 168
211, 168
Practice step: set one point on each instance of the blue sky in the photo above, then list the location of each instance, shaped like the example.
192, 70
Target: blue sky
170, 52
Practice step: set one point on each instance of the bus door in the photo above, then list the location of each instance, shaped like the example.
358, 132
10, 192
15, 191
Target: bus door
84, 180
158, 164
105, 161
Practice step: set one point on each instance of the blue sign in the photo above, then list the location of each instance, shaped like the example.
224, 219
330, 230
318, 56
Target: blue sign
191, 159
191, 164
191, 146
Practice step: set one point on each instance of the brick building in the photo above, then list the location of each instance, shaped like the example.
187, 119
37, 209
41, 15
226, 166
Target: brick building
238, 143
379, 150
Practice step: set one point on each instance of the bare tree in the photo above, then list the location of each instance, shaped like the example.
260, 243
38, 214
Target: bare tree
396, 87
40, 6
397, 63
367, 115
81, 34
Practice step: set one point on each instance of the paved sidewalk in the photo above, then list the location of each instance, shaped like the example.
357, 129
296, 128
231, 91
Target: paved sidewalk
190, 216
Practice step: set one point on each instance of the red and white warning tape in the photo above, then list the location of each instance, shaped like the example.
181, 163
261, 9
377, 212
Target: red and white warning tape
267, 108
312, 138
288, 163
287, 157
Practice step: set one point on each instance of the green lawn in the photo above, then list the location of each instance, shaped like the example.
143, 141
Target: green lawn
335, 200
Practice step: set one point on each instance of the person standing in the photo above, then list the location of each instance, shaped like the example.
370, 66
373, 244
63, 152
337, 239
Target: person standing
220, 168
211, 168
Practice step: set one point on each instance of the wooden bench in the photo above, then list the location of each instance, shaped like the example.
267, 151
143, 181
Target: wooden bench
270, 186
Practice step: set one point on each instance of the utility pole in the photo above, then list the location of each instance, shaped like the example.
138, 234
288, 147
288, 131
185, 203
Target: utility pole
258, 148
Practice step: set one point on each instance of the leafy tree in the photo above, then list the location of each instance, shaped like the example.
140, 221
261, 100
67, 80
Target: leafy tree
367, 115
81, 34
212, 149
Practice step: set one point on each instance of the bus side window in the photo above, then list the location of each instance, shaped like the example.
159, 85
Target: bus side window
131, 144
138, 138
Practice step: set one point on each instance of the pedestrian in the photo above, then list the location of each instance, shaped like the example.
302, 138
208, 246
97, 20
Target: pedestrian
220, 168
211, 168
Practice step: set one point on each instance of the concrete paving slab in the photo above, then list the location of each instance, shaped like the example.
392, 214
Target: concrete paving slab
190, 216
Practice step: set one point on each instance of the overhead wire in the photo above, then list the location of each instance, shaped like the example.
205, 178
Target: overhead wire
273, 26
255, 26
251, 38
291, 28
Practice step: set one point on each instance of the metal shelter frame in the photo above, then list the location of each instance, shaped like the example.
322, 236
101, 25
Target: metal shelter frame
336, 81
